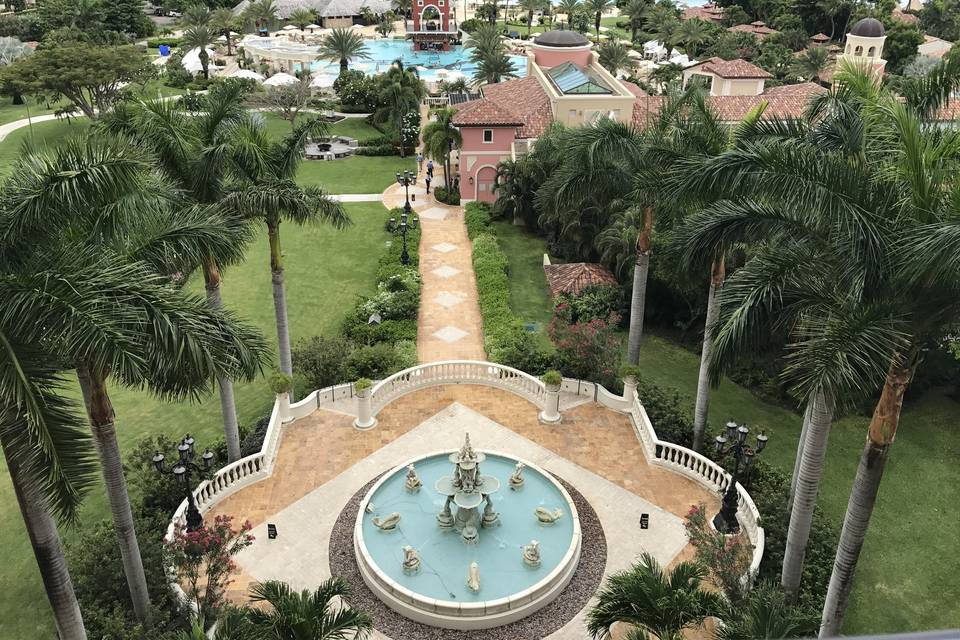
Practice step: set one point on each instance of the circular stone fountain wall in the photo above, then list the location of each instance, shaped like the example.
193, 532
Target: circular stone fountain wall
437, 593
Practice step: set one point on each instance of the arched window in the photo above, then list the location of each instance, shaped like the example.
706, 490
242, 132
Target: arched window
858, 51
871, 52
429, 18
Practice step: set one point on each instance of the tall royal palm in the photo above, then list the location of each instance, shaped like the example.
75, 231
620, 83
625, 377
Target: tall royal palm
269, 192
194, 153
636, 13
401, 91
439, 139
531, 6
223, 21
569, 7
343, 46
597, 8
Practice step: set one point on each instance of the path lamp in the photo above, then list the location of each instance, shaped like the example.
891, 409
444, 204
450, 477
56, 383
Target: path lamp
743, 454
181, 471
404, 179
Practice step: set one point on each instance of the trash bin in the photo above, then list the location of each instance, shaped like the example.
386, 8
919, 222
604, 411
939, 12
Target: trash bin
164, 50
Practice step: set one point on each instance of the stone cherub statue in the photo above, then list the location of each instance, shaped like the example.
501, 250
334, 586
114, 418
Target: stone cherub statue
413, 482
516, 478
531, 554
411, 560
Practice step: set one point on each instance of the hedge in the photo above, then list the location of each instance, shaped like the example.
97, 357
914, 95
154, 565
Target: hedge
477, 218
447, 196
171, 41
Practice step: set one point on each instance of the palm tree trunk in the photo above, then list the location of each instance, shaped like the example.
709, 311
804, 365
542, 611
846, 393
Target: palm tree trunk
344, 65
805, 497
45, 540
226, 34
883, 430
279, 299
804, 430
228, 407
101, 414
702, 407
639, 299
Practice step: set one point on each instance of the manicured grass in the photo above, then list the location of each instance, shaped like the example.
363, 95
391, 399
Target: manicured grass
325, 271
10, 112
906, 579
40, 134
357, 174
353, 127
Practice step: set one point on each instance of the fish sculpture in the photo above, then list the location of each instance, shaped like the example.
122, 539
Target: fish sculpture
389, 523
473, 577
545, 516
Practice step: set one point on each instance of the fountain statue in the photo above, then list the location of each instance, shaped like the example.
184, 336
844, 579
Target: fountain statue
516, 478
413, 483
473, 577
389, 523
545, 516
411, 560
467, 489
531, 554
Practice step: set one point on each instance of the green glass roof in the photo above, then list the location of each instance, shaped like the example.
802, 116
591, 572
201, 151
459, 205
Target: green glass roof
571, 79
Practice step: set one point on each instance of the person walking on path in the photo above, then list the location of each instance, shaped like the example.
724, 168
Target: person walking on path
429, 178
430, 168
420, 161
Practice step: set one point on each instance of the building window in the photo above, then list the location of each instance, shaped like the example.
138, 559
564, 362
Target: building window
488, 135
572, 113
441, 2
871, 52
419, 3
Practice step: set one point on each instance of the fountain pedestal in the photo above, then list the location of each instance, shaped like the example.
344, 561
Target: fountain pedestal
467, 488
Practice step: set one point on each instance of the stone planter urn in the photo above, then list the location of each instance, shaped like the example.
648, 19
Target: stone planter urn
551, 410
365, 419
629, 388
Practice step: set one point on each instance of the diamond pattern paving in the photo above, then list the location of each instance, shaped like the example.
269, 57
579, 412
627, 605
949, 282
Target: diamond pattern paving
436, 213
450, 334
446, 271
447, 299
444, 247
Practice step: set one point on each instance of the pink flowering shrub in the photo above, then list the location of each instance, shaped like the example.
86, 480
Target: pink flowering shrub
203, 559
727, 557
586, 350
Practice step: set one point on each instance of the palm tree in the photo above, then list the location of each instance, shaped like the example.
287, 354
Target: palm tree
488, 52
200, 37
192, 152
691, 34
305, 615
531, 6
271, 195
615, 57
403, 8
262, 13
457, 86
598, 8
811, 64
636, 13
301, 18
763, 614
12, 50
569, 7
400, 94
655, 602
385, 24
223, 21
439, 138
343, 46
195, 14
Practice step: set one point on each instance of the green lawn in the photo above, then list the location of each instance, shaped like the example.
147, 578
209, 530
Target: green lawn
906, 579
40, 134
357, 174
325, 269
10, 112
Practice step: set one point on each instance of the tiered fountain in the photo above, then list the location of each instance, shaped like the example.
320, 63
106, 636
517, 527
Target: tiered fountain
438, 558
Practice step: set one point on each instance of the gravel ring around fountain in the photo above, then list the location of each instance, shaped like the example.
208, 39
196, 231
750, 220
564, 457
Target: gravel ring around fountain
541, 623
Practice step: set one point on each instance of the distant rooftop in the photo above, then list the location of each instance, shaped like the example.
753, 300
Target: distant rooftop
574, 277
570, 79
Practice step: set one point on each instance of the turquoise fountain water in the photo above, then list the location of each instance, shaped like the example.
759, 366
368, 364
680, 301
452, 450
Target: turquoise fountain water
442, 546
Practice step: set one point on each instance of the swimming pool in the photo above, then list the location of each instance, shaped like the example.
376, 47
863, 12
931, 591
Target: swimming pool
383, 52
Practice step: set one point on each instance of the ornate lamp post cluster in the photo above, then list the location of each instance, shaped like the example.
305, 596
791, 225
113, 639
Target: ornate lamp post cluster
405, 179
181, 471
743, 456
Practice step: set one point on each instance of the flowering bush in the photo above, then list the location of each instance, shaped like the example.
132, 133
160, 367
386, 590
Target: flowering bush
726, 556
586, 350
410, 128
204, 560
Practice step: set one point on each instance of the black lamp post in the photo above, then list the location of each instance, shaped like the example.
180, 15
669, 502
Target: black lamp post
743, 454
181, 471
405, 179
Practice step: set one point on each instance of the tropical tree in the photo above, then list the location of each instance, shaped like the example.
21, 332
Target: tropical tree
195, 14
224, 22
456, 86
764, 614
12, 50
811, 64
403, 8
343, 46
488, 52
666, 75
615, 57
301, 18
262, 13
569, 7
692, 34
531, 6
385, 24
195, 154
271, 194
307, 615
401, 91
200, 37
658, 602
636, 13
439, 138
598, 8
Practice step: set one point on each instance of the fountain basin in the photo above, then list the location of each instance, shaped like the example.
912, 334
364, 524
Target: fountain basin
437, 594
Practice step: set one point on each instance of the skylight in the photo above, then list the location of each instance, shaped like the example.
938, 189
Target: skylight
571, 79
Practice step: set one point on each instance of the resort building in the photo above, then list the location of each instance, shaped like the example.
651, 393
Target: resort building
934, 47
727, 77
331, 13
433, 28
864, 47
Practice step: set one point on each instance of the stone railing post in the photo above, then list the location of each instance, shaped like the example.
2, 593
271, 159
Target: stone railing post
283, 407
551, 408
365, 419
629, 388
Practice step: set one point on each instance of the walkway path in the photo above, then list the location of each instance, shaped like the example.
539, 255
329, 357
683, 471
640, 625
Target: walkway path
449, 326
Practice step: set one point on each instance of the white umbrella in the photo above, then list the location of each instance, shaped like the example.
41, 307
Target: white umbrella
191, 60
290, 27
279, 79
322, 81
314, 26
246, 73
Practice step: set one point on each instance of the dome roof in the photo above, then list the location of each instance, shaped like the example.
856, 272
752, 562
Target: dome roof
561, 38
868, 28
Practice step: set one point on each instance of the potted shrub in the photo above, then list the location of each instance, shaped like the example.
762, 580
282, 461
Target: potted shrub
282, 385
552, 379
630, 374
551, 410
365, 419
362, 387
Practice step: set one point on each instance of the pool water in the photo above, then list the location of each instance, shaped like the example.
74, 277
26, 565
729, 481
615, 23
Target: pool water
383, 52
445, 558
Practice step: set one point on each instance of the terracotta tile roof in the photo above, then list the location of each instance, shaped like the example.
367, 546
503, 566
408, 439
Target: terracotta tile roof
950, 111
707, 13
574, 277
820, 37
760, 30
731, 69
634, 89
521, 102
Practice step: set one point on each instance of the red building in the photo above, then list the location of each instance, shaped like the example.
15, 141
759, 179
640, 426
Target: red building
433, 30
